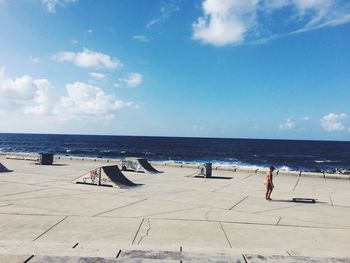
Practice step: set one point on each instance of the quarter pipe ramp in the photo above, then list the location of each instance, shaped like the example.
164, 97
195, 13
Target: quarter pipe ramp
106, 176
138, 165
3, 169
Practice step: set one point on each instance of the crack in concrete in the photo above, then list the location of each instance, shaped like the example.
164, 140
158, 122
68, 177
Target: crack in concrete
147, 231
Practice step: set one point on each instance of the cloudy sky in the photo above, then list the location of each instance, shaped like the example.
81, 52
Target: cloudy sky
212, 68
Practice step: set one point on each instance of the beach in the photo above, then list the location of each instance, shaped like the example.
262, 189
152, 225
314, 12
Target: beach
171, 216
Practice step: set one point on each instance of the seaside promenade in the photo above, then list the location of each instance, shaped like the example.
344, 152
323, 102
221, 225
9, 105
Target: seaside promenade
169, 217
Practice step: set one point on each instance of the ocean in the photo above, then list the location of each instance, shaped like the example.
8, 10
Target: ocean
252, 153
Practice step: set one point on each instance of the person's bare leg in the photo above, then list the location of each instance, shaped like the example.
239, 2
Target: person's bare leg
269, 195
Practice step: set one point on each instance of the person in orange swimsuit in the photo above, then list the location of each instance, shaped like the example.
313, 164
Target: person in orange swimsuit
269, 183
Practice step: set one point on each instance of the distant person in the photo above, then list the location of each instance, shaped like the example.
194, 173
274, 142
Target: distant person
269, 183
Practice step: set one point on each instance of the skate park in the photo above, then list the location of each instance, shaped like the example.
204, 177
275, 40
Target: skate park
169, 217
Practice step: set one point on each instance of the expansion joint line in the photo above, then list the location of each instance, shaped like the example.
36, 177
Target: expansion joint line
137, 232
223, 230
279, 219
239, 202
220, 188
330, 198
51, 228
295, 186
119, 207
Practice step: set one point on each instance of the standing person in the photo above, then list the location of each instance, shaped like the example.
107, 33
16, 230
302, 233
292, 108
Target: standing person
269, 183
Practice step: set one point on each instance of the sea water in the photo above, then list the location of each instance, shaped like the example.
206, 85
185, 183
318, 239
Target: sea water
254, 153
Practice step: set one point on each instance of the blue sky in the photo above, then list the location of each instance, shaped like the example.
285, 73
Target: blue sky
212, 68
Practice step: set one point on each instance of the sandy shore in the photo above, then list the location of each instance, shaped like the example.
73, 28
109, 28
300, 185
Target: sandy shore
171, 216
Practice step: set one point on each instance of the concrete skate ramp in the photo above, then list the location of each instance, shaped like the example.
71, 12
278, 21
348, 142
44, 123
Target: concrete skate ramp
3, 169
106, 176
147, 166
116, 176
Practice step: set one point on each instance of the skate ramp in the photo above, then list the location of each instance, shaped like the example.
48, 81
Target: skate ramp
106, 176
138, 165
147, 166
3, 169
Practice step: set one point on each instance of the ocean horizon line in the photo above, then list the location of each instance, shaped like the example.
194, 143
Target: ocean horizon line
171, 136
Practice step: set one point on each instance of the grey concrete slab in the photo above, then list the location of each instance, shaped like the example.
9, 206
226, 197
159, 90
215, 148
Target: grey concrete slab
177, 256
25, 227
218, 215
308, 240
150, 254
340, 198
9, 189
211, 257
286, 259
176, 233
56, 259
312, 214
94, 230
148, 208
79, 203
14, 209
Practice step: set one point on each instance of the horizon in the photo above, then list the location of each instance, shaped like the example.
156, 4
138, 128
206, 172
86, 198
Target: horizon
230, 69
163, 136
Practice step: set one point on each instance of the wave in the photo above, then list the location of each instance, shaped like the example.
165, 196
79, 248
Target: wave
326, 161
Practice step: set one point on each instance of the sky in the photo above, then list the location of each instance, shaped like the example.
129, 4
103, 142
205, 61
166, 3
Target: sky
274, 69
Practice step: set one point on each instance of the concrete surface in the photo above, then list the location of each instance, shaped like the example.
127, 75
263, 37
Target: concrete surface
172, 217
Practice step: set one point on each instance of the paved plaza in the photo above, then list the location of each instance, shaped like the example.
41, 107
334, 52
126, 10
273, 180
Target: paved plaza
169, 217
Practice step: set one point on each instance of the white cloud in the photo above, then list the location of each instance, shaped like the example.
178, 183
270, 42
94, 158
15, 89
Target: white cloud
25, 94
97, 75
90, 31
52, 4
88, 100
306, 118
227, 22
333, 122
88, 59
288, 125
141, 38
133, 80
38, 97
43, 99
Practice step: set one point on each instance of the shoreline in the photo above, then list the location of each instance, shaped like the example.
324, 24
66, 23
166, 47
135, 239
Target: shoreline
228, 168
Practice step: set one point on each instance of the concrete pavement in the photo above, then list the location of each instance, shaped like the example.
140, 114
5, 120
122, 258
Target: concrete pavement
171, 217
